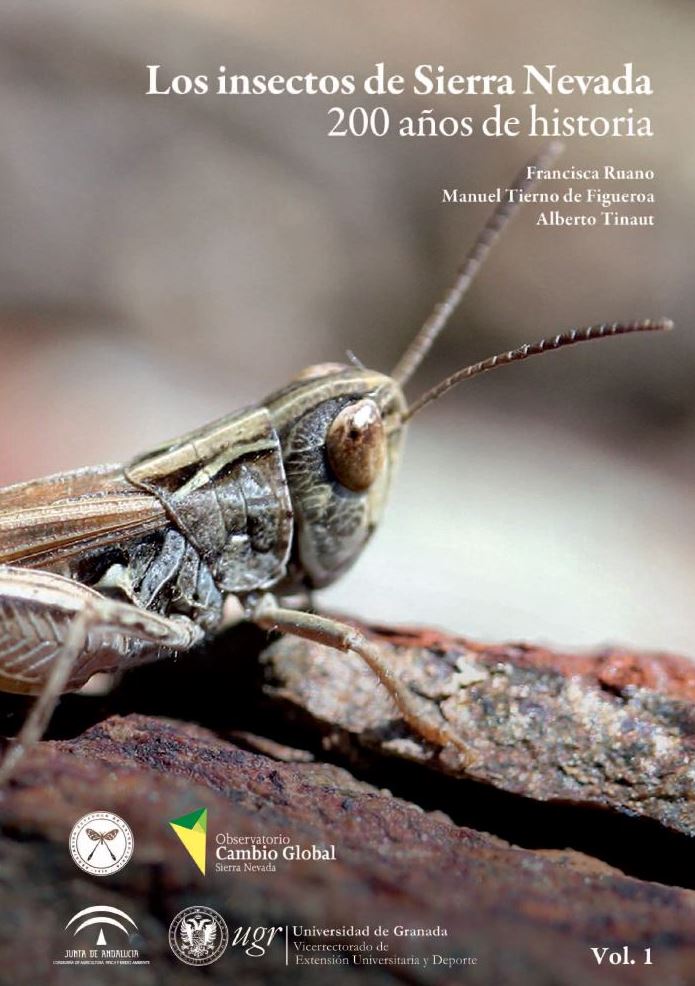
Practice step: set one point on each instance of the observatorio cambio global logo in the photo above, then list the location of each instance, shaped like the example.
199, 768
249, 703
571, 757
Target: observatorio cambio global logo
192, 831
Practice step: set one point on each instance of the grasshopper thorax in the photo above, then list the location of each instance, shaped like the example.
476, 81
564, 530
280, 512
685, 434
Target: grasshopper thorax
340, 430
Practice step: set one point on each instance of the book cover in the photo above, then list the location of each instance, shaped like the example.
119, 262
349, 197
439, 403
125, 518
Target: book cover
321, 659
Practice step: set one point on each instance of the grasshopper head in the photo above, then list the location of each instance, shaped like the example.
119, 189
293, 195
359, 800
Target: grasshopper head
340, 428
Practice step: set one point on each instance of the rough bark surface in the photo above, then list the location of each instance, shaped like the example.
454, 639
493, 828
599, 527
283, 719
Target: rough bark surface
573, 754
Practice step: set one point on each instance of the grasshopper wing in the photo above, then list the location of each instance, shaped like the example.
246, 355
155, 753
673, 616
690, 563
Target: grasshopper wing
46, 522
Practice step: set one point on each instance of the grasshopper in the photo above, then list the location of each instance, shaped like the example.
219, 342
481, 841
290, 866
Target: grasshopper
108, 567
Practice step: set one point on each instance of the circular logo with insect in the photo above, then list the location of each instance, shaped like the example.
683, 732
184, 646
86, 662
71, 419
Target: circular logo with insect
101, 843
198, 935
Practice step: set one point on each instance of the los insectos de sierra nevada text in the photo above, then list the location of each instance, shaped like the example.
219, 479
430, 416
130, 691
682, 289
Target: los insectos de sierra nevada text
540, 81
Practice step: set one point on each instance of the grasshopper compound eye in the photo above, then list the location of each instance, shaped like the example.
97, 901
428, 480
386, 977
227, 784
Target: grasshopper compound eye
356, 445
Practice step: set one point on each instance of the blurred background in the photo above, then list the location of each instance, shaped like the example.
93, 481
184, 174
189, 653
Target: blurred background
168, 259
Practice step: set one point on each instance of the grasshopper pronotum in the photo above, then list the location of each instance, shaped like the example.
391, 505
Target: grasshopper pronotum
110, 566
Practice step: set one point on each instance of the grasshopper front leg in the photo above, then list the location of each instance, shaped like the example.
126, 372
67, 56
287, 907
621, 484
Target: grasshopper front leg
56, 633
419, 714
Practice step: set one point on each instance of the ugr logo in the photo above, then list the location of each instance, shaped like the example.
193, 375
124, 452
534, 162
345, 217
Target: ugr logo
254, 941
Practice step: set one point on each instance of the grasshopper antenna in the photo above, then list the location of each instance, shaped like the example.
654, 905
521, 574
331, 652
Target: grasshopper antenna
601, 331
355, 360
488, 236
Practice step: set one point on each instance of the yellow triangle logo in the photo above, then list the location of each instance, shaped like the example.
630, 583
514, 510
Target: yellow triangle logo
192, 831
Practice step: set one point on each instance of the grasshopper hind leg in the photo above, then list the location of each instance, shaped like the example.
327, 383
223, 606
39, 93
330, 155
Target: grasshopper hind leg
56, 633
421, 715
